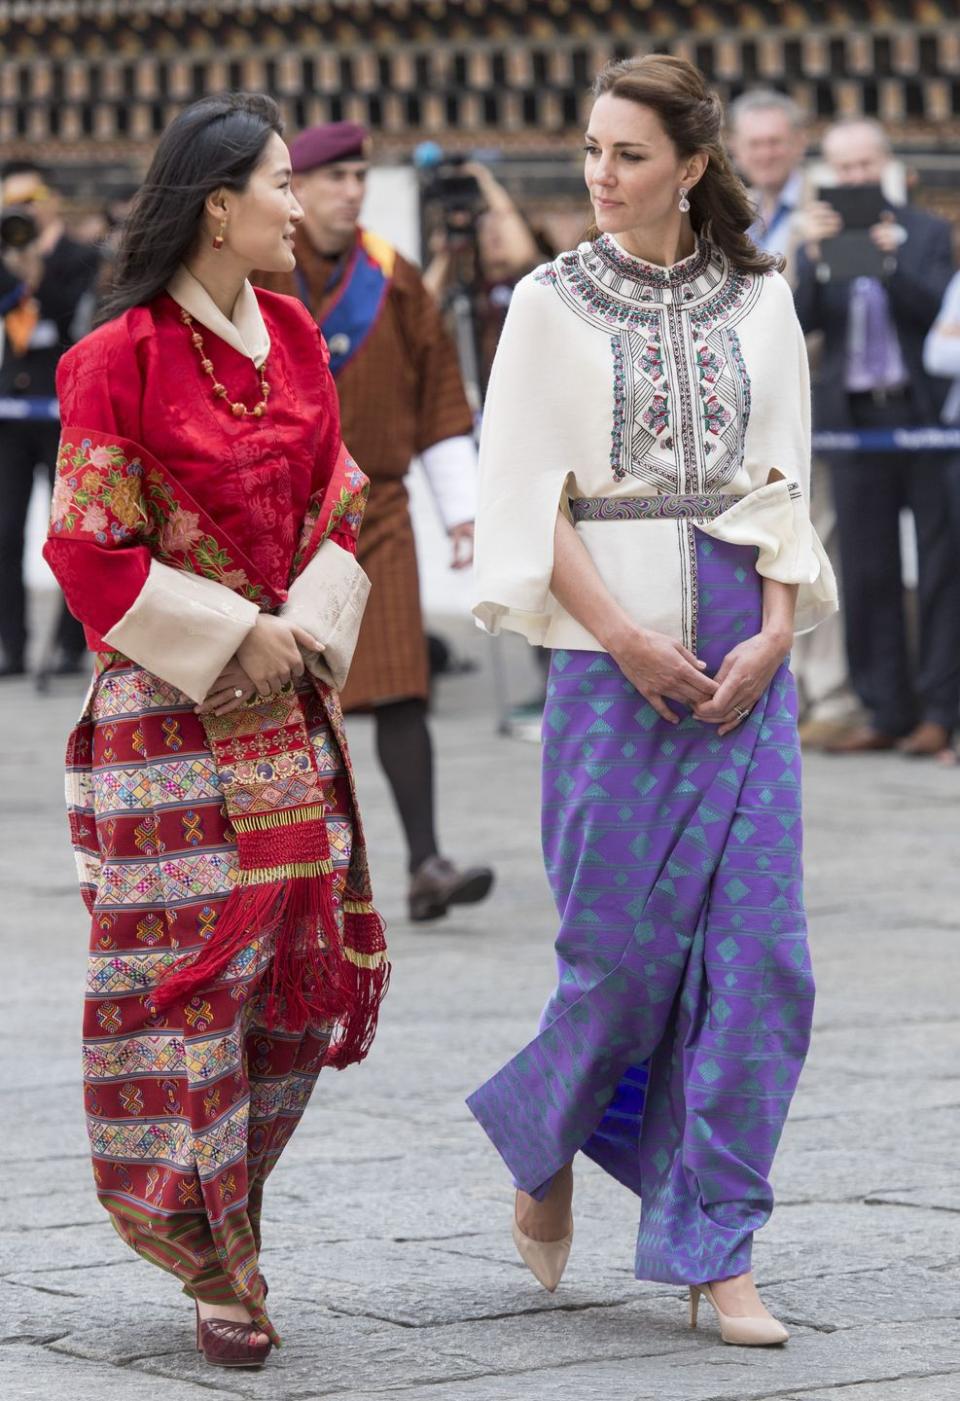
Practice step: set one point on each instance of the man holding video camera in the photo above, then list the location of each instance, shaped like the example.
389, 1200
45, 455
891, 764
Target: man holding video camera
47, 283
871, 276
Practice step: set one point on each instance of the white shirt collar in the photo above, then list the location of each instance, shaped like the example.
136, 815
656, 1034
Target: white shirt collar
245, 330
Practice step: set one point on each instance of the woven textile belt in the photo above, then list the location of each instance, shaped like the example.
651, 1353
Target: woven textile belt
650, 508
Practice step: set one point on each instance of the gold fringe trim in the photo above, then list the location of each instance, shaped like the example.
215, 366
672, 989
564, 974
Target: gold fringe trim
358, 907
293, 870
365, 960
266, 821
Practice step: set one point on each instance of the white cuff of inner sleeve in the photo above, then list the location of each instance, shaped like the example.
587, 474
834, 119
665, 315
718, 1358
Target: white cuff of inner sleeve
183, 628
451, 470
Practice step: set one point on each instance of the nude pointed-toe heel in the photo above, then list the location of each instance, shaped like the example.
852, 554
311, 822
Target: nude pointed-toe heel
740, 1332
545, 1259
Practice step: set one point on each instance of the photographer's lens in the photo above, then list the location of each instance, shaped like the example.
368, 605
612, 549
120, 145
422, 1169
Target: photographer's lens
18, 228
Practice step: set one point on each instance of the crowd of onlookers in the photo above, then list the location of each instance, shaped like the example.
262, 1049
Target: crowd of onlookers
876, 291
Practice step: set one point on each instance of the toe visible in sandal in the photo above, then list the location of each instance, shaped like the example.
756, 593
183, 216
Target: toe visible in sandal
228, 1344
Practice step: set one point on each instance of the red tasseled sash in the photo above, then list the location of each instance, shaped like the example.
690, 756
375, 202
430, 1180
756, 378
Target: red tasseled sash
263, 755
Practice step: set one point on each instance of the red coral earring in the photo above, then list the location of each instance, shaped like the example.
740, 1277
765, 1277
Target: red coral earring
219, 235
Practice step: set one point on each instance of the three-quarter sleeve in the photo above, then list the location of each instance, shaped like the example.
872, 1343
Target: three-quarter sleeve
774, 516
524, 464
178, 626
778, 430
98, 384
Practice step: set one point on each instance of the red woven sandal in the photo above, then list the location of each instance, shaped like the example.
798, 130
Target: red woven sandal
227, 1344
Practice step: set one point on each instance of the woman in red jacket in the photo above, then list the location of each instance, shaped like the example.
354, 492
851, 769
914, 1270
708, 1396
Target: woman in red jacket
203, 528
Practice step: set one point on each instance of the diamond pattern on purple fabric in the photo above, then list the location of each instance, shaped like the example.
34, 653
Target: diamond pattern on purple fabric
671, 1046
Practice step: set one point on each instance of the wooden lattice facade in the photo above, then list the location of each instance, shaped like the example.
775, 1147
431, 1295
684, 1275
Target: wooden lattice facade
96, 80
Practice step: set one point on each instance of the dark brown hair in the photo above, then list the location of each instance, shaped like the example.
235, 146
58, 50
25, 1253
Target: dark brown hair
692, 116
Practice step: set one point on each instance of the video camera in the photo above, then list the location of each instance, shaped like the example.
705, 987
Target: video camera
18, 227
446, 185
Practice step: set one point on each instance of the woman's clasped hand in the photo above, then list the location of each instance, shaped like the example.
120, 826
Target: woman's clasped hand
268, 658
664, 670
745, 673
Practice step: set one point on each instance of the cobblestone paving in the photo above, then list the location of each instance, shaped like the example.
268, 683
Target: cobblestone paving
387, 1222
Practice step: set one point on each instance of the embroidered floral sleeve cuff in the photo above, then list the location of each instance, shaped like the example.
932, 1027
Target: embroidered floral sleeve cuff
183, 628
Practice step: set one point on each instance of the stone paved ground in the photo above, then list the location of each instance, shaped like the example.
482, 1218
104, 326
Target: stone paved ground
387, 1222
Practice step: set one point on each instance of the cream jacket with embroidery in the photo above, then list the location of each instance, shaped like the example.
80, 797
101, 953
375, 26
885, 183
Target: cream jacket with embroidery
616, 378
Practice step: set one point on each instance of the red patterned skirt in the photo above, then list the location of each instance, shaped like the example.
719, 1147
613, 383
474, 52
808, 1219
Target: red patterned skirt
188, 1112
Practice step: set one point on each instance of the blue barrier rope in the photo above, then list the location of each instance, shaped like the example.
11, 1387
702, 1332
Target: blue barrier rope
861, 440
29, 407
889, 440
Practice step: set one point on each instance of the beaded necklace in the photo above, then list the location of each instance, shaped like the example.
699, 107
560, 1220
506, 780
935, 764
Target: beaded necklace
238, 409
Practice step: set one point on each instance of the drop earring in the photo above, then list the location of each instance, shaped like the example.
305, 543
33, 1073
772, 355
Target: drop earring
219, 235
684, 205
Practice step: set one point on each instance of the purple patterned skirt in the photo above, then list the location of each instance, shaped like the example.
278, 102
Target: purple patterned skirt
672, 1045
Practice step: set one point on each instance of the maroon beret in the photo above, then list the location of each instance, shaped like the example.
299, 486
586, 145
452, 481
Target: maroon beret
326, 143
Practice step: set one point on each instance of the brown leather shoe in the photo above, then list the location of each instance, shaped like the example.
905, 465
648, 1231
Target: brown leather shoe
228, 1344
437, 884
817, 734
925, 741
862, 739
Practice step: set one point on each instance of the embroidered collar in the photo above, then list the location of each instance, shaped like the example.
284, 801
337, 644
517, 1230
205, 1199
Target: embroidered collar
245, 330
652, 274
630, 279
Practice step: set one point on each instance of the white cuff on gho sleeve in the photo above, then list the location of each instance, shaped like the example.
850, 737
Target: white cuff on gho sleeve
183, 628
451, 470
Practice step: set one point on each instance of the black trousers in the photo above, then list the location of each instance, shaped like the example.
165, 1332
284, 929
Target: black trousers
869, 494
25, 445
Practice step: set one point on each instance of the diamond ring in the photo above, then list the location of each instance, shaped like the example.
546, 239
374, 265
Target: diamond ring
239, 693
740, 714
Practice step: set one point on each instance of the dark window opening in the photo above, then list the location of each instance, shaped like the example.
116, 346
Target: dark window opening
928, 54
793, 59
914, 98
824, 100
705, 61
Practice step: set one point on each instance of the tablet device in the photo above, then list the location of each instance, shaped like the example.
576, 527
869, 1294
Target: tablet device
859, 206
852, 254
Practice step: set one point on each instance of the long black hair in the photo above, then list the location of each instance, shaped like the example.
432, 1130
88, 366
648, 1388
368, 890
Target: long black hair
217, 142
